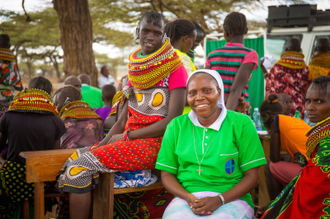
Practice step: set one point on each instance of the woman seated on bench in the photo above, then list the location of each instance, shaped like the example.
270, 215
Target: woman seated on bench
210, 158
287, 133
308, 194
156, 95
84, 126
31, 124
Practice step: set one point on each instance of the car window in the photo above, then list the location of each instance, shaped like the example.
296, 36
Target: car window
275, 45
315, 42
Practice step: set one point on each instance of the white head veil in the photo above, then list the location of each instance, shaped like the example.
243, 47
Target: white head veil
221, 103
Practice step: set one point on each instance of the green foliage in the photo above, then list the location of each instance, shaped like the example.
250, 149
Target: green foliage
113, 23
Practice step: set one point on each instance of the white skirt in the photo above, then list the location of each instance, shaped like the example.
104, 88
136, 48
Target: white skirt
238, 209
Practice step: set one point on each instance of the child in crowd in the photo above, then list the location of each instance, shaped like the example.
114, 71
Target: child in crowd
108, 91
286, 102
28, 126
210, 158
234, 62
182, 34
200, 36
286, 133
308, 194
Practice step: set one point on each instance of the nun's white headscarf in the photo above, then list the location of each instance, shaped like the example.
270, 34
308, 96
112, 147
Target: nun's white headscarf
221, 103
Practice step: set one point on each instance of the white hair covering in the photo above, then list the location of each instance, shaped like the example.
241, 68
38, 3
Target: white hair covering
221, 102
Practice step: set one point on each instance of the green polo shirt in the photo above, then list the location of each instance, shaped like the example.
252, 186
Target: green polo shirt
92, 96
235, 148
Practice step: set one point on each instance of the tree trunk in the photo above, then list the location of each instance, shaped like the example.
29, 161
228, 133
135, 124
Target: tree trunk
30, 71
76, 38
55, 65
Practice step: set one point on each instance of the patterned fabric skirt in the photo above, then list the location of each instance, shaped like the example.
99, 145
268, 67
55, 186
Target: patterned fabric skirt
237, 209
80, 172
15, 190
141, 205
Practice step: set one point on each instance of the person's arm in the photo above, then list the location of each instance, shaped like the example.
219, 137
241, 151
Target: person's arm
118, 127
275, 146
175, 108
57, 144
241, 79
263, 68
209, 204
172, 185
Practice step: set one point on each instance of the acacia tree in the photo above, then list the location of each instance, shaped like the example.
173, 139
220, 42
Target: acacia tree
76, 37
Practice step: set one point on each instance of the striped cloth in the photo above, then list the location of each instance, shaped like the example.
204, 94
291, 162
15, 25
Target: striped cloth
227, 60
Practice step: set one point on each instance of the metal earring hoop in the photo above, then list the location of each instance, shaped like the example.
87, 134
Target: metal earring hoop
164, 38
136, 36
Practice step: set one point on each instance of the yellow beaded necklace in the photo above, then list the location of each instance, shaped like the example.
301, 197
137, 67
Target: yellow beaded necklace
78, 110
33, 100
145, 72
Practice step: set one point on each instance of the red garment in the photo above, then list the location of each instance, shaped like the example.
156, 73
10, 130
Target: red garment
290, 81
137, 154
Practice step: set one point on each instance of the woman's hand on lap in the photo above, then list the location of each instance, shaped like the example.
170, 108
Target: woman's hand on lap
115, 138
191, 199
205, 206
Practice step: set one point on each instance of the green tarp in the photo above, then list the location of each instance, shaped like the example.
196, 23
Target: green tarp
256, 83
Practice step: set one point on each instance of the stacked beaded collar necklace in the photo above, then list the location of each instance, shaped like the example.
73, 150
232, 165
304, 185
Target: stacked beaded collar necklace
294, 60
78, 110
145, 72
7, 55
316, 134
33, 100
115, 101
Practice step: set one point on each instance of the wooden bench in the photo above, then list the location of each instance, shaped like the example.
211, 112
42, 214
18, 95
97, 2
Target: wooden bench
43, 166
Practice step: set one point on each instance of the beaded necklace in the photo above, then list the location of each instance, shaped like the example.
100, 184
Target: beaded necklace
316, 134
291, 59
7, 55
33, 100
78, 110
115, 101
145, 72
322, 59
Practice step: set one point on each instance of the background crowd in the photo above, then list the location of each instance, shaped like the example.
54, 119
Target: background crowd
167, 115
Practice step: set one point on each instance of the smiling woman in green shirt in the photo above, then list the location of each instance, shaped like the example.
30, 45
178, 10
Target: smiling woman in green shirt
210, 158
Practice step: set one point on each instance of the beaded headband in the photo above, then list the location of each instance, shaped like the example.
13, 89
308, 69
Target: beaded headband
145, 72
33, 100
78, 110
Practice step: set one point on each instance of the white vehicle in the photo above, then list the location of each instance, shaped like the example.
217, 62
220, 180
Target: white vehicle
301, 21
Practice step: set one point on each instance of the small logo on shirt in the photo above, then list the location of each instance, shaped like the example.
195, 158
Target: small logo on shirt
230, 166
